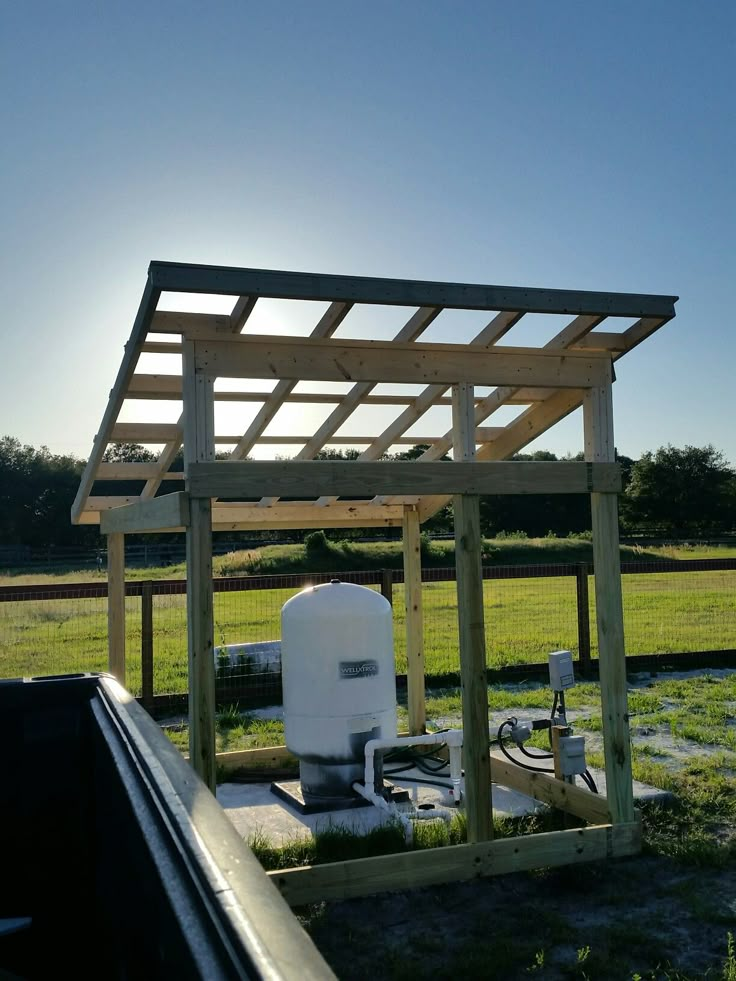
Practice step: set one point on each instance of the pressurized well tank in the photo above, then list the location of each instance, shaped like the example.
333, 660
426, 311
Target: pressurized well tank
339, 683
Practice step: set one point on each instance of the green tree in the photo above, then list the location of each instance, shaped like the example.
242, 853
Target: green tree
37, 489
681, 491
128, 453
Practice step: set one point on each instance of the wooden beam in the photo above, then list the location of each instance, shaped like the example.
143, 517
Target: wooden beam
411, 542
168, 387
288, 478
189, 278
483, 434
191, 325
416, 324
158, 514
548, 790
599, 446
347, 514
199, 447
455, 863
149, 386
154, 432
166, 460
302, 359
409, 332
248, 517
269, 756
161, 387
639, 331
241, 311
116, 606
274, 524
108, 501
326, 327
570, 334
599, 340
433, 394
144, 432
147, 432
472, 643
234, 323
134, 471
535, 421
117, 395
161, 347
196, 326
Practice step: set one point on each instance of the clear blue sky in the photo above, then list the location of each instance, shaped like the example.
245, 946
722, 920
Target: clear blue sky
567, 144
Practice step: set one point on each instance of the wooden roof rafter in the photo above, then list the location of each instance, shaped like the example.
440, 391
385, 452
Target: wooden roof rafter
550, 380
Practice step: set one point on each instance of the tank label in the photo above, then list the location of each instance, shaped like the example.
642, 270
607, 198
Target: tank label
358, 669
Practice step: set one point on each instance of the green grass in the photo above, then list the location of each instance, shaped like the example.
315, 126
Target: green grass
233, 731
639, 918
525, 618
348, 556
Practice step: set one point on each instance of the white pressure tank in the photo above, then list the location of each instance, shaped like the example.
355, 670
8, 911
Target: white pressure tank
339, 684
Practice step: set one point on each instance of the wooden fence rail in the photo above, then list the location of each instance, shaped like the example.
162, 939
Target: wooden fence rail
385, 580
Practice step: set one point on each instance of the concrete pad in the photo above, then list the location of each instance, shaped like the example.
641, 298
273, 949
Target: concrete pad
643, 793
253, 808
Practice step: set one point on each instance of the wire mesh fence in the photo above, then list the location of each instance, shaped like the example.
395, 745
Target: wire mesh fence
529, 611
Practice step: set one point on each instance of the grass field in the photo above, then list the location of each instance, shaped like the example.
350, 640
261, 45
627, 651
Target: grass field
669, 914
525, 619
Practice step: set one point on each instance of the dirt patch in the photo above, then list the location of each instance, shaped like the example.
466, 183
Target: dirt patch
609, 920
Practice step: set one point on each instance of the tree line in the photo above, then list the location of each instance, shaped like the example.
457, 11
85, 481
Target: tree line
668, 492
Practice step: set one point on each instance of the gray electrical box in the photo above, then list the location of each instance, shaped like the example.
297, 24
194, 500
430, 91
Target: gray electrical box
561, 674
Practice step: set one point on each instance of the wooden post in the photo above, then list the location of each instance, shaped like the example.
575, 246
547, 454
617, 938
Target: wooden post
599, 446
116, 605
581, 583
555, 733
147, 644
471, 629
387, 585
199, 447
414, 622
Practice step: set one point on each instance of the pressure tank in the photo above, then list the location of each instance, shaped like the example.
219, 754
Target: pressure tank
339, 684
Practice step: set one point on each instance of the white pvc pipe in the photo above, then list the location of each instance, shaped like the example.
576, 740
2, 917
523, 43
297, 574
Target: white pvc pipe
384, 805
453, 738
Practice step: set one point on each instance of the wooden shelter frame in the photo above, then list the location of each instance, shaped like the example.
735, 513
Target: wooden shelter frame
573, 368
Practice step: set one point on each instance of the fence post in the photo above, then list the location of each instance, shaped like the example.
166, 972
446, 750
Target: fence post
581, 581
116, 605
387, 585
147, 644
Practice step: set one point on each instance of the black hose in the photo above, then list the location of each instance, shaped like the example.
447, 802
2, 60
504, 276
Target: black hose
588, 778
421, 760
535, 756
526, 766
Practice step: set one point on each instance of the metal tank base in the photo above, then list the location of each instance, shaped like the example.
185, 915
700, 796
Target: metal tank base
329, 787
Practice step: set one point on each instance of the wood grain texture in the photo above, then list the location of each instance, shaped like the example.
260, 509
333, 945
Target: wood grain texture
599, 446
158, 514
456, 863
116, 606
191, 278
290, 359
306, 478
414, 622
547, 789
471, 628
199, 447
